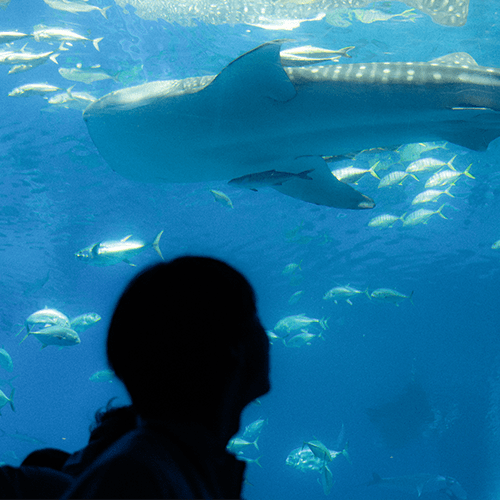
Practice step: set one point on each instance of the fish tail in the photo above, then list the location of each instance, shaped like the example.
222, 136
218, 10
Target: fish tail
467, 172
324, 323
96, 43
372, 170
410, 298
256, 461
25, 337
447, 191
450, 164
103, 11
345, 50
156, 243
53, 57
367, 293
255, 443
346, 453
62, 47
11, 398
303, 175
439, 211
402, 218
414, 176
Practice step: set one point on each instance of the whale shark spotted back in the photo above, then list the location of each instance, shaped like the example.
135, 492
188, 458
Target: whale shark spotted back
256, 116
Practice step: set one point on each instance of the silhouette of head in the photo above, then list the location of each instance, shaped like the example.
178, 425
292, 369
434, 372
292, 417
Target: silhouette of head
183, 334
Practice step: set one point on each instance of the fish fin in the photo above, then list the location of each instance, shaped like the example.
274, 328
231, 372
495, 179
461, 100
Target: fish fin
303, 175
156, 244
454, 59
478, 133
95, 249
11, 398
257, 74
466, 173
349, 302
103, 11
129, 263
126, 238
324, 189
96, 43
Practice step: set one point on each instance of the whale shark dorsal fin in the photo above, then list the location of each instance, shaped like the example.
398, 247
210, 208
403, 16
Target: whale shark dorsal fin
457, 58
257, 73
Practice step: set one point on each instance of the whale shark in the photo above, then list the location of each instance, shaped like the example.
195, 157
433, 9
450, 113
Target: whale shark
422, 483
256, 116
444, 12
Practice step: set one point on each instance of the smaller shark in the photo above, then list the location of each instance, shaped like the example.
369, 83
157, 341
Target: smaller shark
422, 483
268, 178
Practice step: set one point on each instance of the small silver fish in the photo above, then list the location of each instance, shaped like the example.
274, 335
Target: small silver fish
107, 253
84, 321
55, 335
389, 295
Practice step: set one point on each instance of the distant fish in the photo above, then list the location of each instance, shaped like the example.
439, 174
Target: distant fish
307, 54
33, 89
353, 174
430, 195
427, 164
4, 400
394, 178
422, 483
103, 376
445, 177
107, 253
89, 75
384, 220
268, 178
45, 317
44, 33
295, 297
298, 322
75, 6
389, 295
84, 321
55, 335
496, 245
6, 360
343, 293
422, 216
12, 36
222, 198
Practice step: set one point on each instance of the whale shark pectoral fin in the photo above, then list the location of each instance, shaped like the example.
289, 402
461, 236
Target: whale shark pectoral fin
256, 74
324, 188
481, 128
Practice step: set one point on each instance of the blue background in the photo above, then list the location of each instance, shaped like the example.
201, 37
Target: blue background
57, 195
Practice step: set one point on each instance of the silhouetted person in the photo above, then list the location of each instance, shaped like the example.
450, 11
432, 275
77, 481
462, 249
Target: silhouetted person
39, 476
186, 341
111, 423
53, 458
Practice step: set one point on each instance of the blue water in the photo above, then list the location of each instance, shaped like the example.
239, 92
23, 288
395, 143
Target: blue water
57, 195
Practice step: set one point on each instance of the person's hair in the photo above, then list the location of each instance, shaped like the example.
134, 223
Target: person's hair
173, 331
112, 422
53, 458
